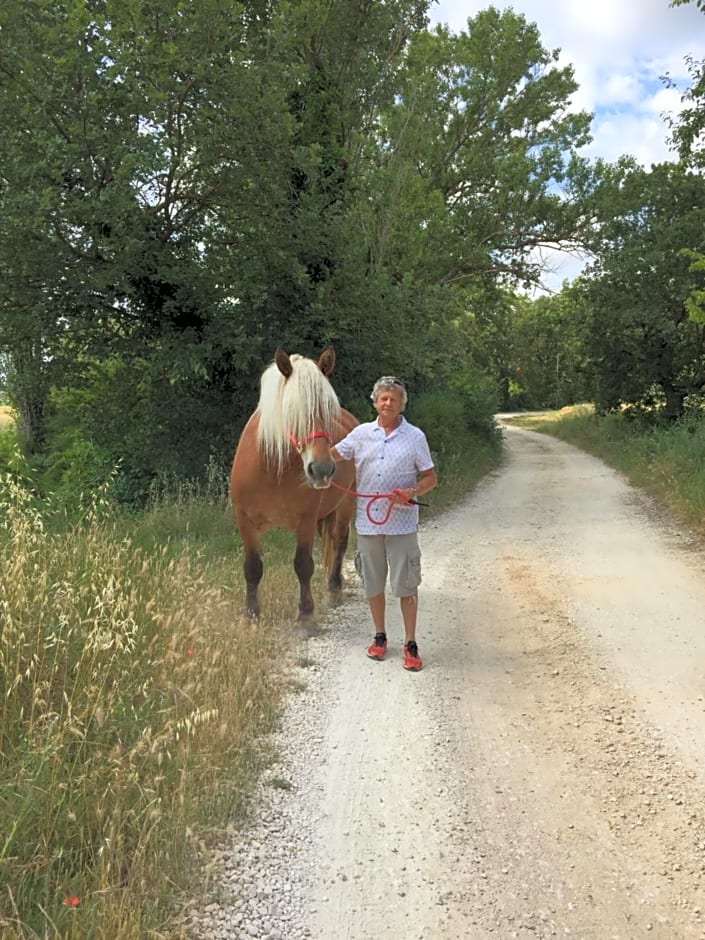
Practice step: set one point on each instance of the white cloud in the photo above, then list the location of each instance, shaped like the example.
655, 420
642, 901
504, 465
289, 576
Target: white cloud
642, 136
619, 50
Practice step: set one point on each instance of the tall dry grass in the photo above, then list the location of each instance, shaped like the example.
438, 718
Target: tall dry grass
134, 706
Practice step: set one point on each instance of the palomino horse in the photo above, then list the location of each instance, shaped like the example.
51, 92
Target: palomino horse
283, 469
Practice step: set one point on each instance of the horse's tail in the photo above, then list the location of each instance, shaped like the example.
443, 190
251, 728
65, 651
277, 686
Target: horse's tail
327, 531
334, 530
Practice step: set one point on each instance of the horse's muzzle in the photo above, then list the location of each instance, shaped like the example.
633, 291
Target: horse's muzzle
319, 473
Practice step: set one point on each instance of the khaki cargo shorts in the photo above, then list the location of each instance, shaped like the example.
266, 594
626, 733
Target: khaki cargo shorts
398, 556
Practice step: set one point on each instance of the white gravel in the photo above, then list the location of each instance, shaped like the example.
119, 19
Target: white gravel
266, 877
543, 776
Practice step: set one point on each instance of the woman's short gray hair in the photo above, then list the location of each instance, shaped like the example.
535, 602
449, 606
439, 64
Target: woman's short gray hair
387, 382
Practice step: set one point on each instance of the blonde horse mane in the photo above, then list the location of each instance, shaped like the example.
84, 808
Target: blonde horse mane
296, 407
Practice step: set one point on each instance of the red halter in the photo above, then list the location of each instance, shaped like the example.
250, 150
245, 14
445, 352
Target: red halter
299, 445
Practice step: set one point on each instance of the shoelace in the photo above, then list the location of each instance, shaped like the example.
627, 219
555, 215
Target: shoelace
412, 649
380, 639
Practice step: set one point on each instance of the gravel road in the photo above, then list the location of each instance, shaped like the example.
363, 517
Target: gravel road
543, 776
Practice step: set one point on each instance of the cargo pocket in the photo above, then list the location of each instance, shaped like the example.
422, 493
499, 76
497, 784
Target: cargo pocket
413, 572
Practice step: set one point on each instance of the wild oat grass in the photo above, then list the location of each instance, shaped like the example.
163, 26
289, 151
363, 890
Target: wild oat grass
133, 697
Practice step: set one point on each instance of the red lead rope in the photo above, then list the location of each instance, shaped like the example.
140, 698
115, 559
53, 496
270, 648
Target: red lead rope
373, 497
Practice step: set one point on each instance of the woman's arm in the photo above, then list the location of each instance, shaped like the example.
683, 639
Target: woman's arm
427, 480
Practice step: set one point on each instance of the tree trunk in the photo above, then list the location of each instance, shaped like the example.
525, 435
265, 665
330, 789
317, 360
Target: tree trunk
674, 402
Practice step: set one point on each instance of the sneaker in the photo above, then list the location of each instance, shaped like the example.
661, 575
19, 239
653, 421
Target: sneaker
379, 647
412, 660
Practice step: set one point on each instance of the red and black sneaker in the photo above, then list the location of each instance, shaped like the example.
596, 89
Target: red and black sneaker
379, 647
412, 660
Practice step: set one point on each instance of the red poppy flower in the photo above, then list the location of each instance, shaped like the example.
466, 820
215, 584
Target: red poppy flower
72, 901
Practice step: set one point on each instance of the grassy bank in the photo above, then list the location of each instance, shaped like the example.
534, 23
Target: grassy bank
133, 699
667, 461
136, 700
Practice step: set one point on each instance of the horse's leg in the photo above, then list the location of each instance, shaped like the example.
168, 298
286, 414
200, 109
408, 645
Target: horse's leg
252, 564
303, 566
335, 576
254, 570
335, 531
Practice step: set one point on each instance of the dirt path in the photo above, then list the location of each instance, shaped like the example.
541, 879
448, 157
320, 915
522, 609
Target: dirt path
545, 774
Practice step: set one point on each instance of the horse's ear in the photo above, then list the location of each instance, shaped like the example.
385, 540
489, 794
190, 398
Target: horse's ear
327, 361
283, 363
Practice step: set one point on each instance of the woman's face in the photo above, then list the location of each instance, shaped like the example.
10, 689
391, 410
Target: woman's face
388, 402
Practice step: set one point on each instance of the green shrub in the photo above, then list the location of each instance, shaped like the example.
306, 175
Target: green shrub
441, 416
479, 395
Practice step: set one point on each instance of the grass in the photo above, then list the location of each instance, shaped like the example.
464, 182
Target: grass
135, 706
136, 701
665, 460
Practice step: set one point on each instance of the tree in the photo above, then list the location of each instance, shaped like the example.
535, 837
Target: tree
174, 197
131, 131
643, 346
689, 137
546, 338
184, 187
473, 155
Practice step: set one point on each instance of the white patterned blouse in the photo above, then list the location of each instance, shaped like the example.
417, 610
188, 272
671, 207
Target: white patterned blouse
383, 463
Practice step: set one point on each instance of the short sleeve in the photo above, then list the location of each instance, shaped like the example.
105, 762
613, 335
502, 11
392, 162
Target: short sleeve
346, 446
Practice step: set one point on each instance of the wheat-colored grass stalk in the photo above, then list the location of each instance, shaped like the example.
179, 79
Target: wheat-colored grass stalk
134, 702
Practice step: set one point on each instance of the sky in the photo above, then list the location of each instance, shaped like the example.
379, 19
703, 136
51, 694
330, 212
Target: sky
619, 49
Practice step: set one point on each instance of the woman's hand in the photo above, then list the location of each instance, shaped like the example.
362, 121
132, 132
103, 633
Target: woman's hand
401, 497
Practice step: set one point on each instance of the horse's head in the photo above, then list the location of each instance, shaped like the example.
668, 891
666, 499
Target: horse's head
299, 408
316, 459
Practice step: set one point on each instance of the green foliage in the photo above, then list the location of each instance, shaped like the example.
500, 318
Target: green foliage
9, 449
695, 302
189, 187
545, 339
451, 419
111, 424
641, 343
689, 123
480, 136
465, 445
478, 394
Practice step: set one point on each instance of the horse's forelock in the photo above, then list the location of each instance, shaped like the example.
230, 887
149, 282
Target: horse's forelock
309, 402
297, 406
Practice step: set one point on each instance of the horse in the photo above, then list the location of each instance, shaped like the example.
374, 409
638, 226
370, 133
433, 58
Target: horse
282, 473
